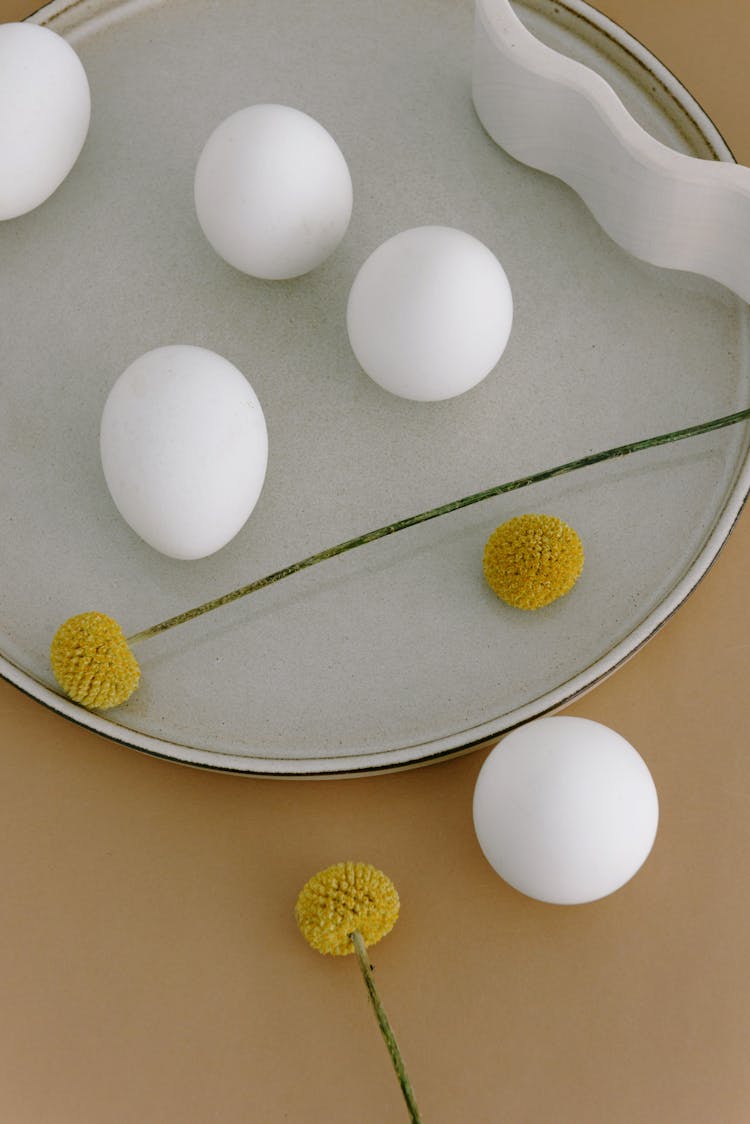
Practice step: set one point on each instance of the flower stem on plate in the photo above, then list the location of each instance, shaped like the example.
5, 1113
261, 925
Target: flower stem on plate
443, 509
385, 1027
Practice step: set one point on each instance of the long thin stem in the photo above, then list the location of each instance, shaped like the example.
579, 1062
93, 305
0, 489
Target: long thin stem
444, 509
385, 1026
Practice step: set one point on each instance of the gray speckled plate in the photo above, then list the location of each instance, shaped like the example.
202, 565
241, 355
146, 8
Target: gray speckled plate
396, 654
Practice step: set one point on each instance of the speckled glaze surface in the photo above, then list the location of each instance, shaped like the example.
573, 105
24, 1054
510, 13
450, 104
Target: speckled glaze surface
396, 654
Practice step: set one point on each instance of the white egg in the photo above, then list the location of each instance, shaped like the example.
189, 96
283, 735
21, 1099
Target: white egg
430, 313
565, 810
45, 106
273, 193
184, 449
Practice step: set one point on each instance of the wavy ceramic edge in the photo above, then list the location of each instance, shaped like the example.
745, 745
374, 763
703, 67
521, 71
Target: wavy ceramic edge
558, 116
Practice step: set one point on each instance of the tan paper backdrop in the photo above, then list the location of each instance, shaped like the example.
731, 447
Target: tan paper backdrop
150, 969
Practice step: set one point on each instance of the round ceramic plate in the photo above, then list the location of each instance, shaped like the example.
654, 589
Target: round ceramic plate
395, 654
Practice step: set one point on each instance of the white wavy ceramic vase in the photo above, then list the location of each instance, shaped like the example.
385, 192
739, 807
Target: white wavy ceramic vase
554, 114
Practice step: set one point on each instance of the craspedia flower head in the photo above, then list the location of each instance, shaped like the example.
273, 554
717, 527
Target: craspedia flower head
342, 898
92, 662
532, 560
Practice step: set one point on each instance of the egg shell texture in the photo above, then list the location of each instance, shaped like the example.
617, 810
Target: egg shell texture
45, 108
430, 313
184, 449
273, 193
565, 810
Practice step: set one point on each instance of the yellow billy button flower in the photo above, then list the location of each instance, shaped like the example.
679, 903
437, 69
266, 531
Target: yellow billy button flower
532, 560
343, 898
343, 909
92, 662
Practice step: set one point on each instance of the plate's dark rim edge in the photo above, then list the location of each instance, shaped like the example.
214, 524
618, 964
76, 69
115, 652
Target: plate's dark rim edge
686, 101
643, 56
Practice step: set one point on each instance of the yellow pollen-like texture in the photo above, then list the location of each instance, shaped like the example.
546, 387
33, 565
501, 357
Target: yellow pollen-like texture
92, 662
342, 898
532, 560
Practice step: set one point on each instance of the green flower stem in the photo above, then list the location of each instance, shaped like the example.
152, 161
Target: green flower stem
444, 509
385, 1027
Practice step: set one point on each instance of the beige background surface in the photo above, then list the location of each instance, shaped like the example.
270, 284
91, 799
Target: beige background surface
150, 969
